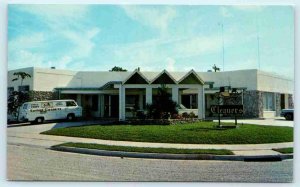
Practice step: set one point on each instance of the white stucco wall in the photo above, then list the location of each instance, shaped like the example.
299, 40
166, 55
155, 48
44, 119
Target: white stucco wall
16, 84
273, 83
48, 79
241, 78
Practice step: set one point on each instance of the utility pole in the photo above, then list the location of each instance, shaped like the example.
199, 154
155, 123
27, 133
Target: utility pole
223, 52
258, 50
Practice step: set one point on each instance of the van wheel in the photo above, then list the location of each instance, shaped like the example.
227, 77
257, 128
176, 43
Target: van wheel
39, 120
71, 117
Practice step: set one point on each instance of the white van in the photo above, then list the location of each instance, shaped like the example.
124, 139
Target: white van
40, 111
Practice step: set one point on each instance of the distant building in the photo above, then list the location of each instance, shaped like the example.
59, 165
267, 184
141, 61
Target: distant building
112, 94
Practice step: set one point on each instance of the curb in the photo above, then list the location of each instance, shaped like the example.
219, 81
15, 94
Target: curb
121, 154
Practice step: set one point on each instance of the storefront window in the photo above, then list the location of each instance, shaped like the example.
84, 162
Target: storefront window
268, 100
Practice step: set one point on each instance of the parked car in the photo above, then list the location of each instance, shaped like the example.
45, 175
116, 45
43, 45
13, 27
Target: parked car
288, 114
40, 111
182, 109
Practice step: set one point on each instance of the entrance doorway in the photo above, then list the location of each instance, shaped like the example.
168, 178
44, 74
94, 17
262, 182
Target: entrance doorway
111, 106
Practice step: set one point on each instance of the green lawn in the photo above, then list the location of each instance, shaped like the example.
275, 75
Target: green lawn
147, 149
197, 133
285, 150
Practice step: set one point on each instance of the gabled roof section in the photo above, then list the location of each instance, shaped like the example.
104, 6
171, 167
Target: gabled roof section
164, 78
136, 78
191, 78
110, 85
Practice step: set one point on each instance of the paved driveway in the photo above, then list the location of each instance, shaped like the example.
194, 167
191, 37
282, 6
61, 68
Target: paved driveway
272, 121
38, 128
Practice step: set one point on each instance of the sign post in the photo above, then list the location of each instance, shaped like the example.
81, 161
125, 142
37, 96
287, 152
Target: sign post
232, 109
227, 110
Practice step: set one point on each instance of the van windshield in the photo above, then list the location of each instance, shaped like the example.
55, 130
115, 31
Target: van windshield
25, 106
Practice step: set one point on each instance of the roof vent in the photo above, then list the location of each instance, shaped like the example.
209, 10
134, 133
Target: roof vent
138, 69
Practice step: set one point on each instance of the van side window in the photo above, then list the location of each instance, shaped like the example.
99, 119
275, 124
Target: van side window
60, 104
71, 103
46, 105
35, 105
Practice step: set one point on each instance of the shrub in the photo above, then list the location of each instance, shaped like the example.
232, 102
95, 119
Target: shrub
163, 106
185, 115
192, 115
140, 115
176, 116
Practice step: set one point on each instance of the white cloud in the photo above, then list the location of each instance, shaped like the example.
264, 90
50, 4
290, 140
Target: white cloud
248, 7
150, 16
170, 64
83, 44
55, 12
61, 63
67, 23
34, 40
197, 45
162, 53
23, 58
189, 68
225, 12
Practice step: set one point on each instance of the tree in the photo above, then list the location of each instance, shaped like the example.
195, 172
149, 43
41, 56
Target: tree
215, 68
163, 106
17, 98
116, 68
21, 75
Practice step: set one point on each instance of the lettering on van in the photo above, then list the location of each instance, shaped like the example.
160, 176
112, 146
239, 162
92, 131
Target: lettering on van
44, 109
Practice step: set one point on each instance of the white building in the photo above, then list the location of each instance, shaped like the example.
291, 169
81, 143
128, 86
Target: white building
110, 94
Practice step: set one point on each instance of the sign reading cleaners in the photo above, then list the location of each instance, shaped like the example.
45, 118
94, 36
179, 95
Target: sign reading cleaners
227, 109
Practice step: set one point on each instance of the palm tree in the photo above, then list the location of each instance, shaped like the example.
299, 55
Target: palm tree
22, 75
215, 68
18, 97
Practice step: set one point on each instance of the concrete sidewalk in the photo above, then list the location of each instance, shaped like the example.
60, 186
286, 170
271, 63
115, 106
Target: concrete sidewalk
277, 121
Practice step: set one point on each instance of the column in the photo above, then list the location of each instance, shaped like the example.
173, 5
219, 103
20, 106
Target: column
109, 105
100, 105
148, 95
200, 102
121, 103
78, 99
286, 101
175, 94
179, 97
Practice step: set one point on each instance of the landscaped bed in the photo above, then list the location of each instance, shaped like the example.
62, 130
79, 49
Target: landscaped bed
197, 133
147, 149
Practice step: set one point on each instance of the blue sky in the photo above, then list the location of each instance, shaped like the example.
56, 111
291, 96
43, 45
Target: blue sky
153, 37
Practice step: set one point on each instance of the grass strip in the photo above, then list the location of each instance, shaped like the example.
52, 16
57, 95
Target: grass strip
196, 133
285, 150
147, 149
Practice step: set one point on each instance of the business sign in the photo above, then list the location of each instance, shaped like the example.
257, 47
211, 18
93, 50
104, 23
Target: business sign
227, 109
